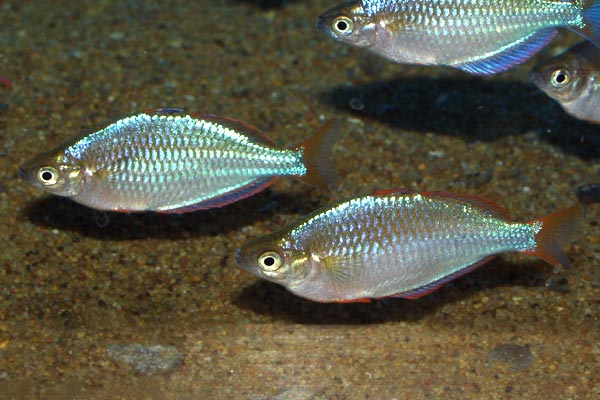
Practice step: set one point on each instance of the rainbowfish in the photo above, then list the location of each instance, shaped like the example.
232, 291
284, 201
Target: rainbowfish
573, 80
477, 36
398, 243
165, 160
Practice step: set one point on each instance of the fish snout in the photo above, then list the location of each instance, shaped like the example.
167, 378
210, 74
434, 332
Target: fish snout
320, 23
237, 257
26, 175
22, 173
537, 78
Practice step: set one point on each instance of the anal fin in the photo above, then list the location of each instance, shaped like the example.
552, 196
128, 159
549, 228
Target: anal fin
226, 198
433, 286
511, 55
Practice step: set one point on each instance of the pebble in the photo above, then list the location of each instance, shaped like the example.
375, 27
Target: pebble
294, 393
152, 360
596, 279
116, 36
356, 104
588, 193
558, 285
517, 357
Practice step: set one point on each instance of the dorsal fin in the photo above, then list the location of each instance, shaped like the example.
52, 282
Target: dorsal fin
165, 111
396, 191
481, 203
238, 126
230, 123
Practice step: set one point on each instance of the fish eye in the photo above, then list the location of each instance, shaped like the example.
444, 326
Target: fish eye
48, 175
560, 78
269, 261
343, 25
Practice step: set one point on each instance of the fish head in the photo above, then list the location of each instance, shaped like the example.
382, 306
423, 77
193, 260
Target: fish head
563, 78
272, 258
348, 23
54, 173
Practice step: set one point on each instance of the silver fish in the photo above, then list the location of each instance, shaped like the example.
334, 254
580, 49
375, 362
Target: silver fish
573, 80
477, 36
398, 243
169, 161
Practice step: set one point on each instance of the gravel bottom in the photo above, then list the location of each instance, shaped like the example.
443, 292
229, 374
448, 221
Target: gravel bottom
124, 306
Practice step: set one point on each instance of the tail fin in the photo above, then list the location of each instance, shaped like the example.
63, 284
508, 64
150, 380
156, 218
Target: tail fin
557, 230
591, 21
320, 169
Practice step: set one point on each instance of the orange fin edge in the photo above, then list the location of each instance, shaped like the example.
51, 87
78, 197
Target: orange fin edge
556, 231
320, 168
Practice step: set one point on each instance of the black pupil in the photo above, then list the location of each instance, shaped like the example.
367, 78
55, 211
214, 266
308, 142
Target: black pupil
560, 77
47, 175
342, 25
269, 261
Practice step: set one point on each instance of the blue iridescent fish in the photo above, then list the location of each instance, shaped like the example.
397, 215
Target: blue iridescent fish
169, 161
477, 36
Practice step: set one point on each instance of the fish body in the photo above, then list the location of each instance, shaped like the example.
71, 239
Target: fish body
477, 36
169, 161
397, 244
573, 80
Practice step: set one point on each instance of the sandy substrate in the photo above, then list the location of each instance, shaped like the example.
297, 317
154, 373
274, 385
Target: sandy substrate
79, 288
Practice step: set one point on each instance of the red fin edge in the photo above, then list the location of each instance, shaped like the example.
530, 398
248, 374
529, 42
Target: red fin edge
365, 300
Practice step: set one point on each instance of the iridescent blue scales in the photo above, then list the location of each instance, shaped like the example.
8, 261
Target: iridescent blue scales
398, 244
173, 162
477, 36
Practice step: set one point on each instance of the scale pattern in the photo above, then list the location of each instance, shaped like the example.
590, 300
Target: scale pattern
162, 162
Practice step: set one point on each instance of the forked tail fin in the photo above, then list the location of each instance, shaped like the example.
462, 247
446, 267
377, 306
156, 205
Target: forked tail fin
556, 231
320, 169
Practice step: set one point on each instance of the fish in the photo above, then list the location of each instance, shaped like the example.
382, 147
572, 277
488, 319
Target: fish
573, 80
481, 37
166, 160
398, 243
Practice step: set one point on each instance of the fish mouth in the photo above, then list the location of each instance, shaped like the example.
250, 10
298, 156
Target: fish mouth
321, 24
537, 78
239, 259
24, 175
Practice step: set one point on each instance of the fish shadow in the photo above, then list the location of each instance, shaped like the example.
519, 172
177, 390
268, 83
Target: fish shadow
66, 215
269, 299
267, 4
477, 109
